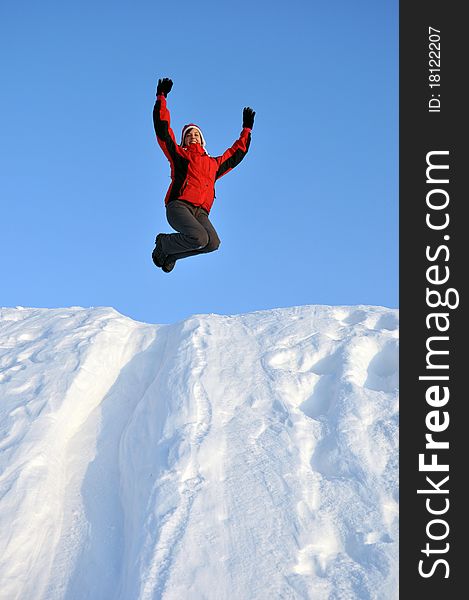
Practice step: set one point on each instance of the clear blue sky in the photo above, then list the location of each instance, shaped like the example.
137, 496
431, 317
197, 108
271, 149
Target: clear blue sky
309, 217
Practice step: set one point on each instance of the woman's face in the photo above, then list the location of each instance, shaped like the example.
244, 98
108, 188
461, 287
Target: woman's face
192, 137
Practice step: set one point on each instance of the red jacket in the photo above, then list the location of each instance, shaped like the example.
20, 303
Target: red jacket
193, 171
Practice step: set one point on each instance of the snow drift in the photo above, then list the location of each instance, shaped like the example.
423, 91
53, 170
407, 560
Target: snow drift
244, 457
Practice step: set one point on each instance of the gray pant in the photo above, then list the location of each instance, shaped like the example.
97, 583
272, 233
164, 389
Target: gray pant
196, 234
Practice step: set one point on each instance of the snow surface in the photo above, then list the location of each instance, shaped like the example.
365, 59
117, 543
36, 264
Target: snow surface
243, 457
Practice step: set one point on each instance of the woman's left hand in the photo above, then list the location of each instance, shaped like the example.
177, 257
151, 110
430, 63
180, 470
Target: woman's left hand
248, 117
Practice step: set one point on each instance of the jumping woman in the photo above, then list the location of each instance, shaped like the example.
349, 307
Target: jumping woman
192, 191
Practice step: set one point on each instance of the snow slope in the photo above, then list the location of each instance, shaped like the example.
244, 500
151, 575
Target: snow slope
244, 457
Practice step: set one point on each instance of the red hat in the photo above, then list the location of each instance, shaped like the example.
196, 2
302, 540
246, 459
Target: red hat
186, 128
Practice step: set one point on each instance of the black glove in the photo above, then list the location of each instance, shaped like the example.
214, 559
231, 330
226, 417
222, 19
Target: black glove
164, 87
248, 117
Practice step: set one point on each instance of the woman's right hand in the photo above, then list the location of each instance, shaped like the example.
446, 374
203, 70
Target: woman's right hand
164, 86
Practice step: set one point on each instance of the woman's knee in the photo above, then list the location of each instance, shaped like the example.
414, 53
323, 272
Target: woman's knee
201, 238
213, 244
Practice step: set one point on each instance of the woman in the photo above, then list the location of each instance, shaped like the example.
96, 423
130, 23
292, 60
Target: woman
193, 174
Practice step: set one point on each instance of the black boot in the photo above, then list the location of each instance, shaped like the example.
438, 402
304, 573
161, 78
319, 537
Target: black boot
168, 265
158, 255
